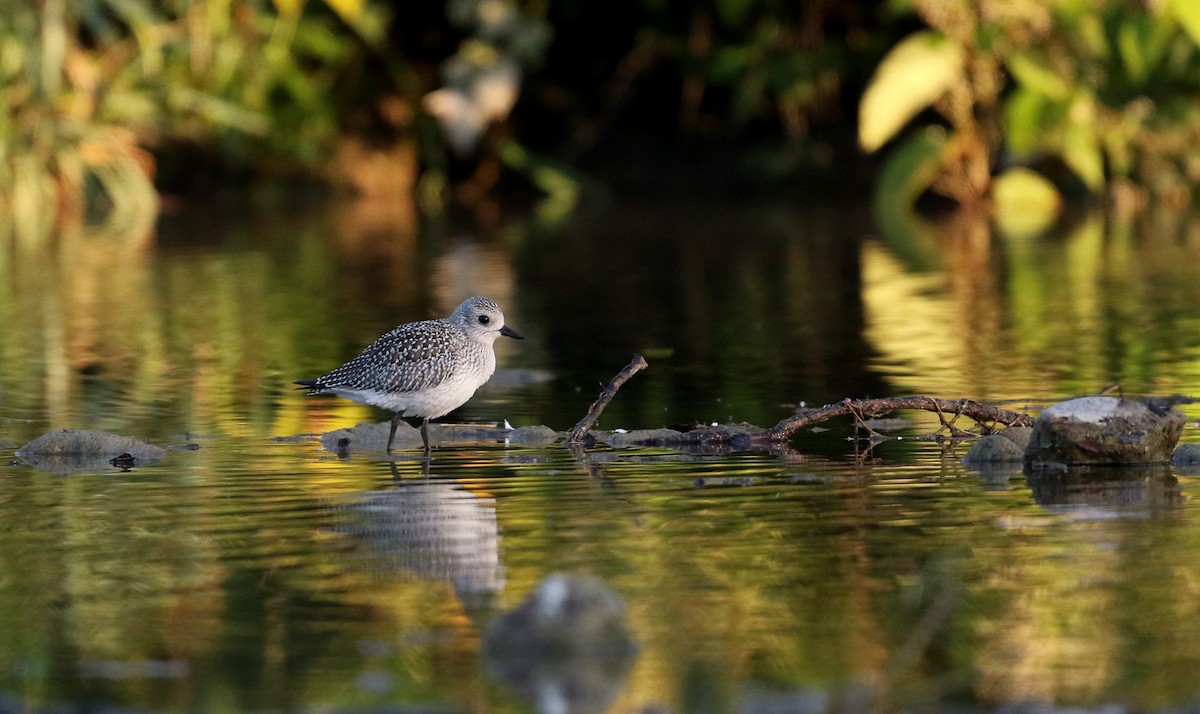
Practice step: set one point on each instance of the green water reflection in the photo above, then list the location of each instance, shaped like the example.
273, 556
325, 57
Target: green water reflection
262, 574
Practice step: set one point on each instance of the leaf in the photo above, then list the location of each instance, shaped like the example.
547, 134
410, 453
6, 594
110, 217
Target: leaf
909, 170
1034, 76
1024, 125
1081, 152
1132, 50
913, 75
1187, 12
1026, 202
348, 10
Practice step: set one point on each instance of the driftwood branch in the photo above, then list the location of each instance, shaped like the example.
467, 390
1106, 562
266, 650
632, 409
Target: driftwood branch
863, 409
580, 430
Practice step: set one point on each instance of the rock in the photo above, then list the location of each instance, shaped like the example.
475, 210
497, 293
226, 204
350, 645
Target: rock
68, 451
994, 449
1187, 456
740, 436
641, 437
1104, 430
369, 438
1018, 435
533, 435
568, 638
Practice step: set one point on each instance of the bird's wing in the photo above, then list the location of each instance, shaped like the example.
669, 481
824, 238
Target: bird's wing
412, 356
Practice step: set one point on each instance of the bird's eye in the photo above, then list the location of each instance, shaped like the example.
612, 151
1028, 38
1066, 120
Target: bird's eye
484, 319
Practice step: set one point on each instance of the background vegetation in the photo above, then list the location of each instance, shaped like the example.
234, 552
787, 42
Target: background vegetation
109, 104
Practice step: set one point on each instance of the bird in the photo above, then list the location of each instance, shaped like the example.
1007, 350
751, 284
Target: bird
423, 370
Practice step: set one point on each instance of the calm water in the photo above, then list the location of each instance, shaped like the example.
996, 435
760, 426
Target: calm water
263, 574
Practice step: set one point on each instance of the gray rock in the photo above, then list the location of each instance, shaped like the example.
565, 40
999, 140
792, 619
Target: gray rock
1187, 456
67, 451
640, 437
994, 449
736, 435
533, 435
368, 438
1018, 435
1104, 430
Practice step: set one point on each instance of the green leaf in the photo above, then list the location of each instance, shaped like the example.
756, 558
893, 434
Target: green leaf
1033, 75
1024, 123
909, 170
1132, 50
1081, 150
1187, 12
913, 75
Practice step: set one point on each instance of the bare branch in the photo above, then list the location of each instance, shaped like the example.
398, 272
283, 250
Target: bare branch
863, 409
580, 430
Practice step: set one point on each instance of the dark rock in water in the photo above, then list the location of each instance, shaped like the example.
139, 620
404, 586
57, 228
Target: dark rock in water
1104, 430
67, 451
1187, 456
568, 638
994, 449
124, 461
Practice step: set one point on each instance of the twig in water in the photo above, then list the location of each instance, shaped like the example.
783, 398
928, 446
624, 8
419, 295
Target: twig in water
580, 430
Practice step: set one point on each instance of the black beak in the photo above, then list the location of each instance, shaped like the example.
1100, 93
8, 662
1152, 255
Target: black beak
510, 332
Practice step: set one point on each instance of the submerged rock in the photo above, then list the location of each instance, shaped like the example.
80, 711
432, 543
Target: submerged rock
533, 435
568, 640
1104, 430
67, 451
641, 437
367, 438
1187, 456
371, 438
1018, 435
994, 449
741, 436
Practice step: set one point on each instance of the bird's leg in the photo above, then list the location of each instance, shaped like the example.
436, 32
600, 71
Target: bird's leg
392, 432
425, 434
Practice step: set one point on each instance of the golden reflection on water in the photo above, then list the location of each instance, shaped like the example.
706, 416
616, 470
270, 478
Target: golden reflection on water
1039, 318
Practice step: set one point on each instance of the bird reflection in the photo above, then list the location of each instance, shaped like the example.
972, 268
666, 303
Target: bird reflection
431, 529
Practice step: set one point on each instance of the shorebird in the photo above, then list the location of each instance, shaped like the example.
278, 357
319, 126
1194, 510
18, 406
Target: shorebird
423, 370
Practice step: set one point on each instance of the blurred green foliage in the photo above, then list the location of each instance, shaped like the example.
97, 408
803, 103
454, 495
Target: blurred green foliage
98, 94
90, 87
1108, 90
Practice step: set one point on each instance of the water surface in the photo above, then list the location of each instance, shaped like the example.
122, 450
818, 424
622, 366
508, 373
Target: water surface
251, 570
